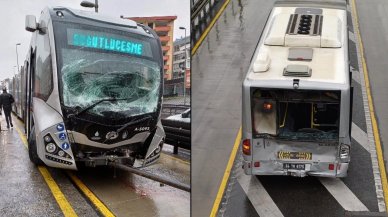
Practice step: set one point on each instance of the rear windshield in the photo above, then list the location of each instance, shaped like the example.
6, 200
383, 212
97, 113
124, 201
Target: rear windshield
296, 114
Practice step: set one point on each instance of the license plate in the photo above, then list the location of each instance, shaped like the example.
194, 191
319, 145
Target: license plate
294, 166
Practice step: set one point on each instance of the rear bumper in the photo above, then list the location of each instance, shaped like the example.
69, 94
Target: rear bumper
320, 169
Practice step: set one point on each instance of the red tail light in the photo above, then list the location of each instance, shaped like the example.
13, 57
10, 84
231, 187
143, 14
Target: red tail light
257, 164
246, 147
331, 166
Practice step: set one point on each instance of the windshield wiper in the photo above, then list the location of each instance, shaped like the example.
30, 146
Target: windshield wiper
94, 104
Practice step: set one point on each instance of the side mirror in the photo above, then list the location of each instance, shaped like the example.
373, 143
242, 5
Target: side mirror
31, 24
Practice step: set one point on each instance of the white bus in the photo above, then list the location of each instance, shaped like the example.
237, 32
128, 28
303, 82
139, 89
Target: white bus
297, 95
93, 90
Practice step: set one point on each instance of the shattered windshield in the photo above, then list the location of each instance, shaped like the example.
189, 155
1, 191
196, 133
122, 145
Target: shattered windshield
96, 66
296, 115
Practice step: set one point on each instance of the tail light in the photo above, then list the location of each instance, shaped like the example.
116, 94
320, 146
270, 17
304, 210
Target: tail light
246, 148
344, 152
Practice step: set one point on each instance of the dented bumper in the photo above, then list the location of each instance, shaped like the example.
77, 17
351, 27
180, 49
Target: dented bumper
321, 169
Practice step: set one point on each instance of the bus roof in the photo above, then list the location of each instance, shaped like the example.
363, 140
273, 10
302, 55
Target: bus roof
74, 15
308, 43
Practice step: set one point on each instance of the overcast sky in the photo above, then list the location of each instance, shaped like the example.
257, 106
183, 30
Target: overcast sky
13, 12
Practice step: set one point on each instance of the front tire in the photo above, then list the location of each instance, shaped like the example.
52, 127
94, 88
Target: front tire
32, 150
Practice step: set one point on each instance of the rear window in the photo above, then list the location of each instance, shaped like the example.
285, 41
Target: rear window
296, 114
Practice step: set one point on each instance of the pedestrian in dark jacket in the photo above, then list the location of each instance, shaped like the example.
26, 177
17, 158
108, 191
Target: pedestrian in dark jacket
6, 101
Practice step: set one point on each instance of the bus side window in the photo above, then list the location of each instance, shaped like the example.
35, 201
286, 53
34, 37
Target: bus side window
43, 73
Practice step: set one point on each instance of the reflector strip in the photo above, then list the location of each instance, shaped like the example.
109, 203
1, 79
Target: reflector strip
295, 155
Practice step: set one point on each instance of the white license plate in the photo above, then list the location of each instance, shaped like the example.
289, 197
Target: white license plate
289, 166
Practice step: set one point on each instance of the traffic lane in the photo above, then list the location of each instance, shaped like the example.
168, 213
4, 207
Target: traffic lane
23, 191
76, 200
374, 33
81, 205
132, 195
307, 196
239, 204
360, 179
220, 65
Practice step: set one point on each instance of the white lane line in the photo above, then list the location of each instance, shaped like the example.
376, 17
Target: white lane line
259, 197
351, 36
355, 75
360, 136
343, 194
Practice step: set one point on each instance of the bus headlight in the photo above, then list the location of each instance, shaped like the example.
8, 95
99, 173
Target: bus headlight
47, 138
51, 147
344, 152
61, 153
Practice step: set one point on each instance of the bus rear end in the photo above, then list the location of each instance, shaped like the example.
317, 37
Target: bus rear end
296, 132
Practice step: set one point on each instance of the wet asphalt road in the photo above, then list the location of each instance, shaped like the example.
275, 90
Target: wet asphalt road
374, 32
24, 192
220, 65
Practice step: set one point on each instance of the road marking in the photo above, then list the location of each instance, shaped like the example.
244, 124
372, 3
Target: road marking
63, 203
207, 30
90, 195
351, 36
355, 75
224, 181
56, 191
375, 128
360, 136
22, 137
259, 197
343, 194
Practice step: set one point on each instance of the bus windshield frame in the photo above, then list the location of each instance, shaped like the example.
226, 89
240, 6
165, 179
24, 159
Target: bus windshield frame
128, 83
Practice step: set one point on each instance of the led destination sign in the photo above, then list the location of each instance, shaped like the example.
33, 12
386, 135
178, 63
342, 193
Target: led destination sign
105, 41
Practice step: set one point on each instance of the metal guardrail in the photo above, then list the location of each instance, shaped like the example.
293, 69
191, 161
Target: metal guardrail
197, 7
178, 134
173, 109
202, 12
151, 176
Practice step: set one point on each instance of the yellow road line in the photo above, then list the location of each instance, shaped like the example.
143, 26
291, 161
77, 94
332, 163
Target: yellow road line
22, 137
375, 127
89, 194
59, 196
207, 30
224, 181
63, 203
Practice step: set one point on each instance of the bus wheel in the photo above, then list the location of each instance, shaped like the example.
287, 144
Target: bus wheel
32, 151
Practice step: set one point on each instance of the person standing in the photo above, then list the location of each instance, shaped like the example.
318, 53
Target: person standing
6, 101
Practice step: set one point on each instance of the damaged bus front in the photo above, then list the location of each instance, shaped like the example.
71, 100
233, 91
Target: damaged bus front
95, 90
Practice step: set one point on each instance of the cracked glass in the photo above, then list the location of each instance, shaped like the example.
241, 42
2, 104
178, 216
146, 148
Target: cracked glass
89, 74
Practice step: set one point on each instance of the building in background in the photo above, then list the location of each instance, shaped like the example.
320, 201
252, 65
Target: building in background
180, 54
180, 69
164, 27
